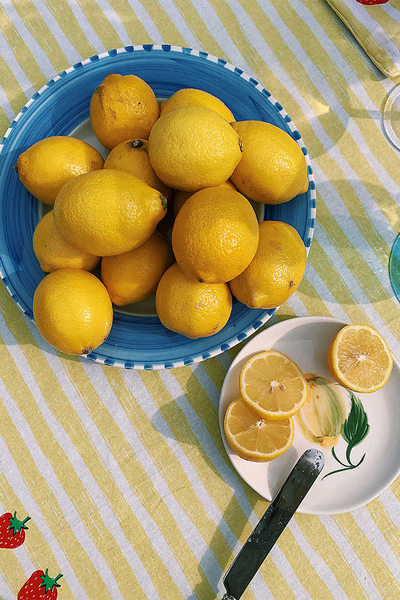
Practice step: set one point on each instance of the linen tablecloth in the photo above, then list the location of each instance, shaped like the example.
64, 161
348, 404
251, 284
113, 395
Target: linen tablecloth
123, 473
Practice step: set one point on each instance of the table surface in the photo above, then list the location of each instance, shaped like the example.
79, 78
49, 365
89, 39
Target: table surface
124, 475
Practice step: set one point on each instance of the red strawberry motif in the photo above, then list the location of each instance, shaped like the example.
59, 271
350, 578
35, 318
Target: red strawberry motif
12, 531
372, 2
39, 586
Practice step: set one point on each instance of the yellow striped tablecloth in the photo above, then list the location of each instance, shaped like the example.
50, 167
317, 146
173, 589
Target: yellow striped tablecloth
123, 473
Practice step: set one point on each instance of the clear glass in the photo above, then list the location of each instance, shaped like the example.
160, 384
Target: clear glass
391, 117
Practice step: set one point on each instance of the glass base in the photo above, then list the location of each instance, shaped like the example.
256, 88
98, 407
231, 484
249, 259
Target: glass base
391, 117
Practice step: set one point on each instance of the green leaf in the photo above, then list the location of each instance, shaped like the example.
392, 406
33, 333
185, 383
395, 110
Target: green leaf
356, 427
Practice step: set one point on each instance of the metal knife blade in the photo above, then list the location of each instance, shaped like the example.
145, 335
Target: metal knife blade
272, 523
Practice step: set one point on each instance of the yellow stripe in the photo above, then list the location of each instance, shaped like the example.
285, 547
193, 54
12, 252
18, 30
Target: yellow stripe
103, 539
311, 298
164, 23
35, 24
134, 28
385, 525
304, 571
13, 90
4, 123
140, 482
369, 556
174, 475
198, 27
346, 144
70, 26
101, 25
41, 492
21, 50
35, 544
210, 477
322, 542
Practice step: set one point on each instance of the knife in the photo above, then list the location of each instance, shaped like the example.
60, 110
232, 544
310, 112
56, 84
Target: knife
272, 523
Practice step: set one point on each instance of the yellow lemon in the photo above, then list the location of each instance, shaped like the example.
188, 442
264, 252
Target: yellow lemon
123, 107
273, 168
254, 438
132, 156
276, 270
181, 197
193, 97
272, 385
54, 252
215, 235
72, 311
108, 212
47, 165
191, 308
193, 147
134, 275
359, 359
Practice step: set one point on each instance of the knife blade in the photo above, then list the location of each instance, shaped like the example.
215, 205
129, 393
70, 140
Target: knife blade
272, 523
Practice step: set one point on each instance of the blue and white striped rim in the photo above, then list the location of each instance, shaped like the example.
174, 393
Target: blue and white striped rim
242, 335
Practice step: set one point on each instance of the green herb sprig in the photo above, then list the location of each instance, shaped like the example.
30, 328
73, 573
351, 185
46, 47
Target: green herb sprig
354, 430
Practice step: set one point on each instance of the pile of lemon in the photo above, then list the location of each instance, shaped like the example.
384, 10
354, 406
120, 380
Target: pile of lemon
188, 158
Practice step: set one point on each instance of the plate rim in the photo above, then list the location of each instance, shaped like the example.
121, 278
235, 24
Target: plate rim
166, 48
297, 322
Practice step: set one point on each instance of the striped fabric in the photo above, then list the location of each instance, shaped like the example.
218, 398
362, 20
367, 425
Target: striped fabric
123, 473
377, 29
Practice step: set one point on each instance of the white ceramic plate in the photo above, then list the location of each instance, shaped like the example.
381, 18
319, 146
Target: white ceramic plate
306, 341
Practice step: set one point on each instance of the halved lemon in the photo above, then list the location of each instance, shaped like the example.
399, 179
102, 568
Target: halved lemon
254, 438
272, 385
359, 359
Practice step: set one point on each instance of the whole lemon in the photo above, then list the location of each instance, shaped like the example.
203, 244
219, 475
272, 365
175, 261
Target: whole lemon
72, 311
122, 107
273, 168
276, 270
47, 165
132, 156
215, 235
193, 97
191, 308
181, 197
134, 275
193, 147
108, 212
54, 252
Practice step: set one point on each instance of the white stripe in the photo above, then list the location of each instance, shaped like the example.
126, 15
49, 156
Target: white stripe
150, 528
372, 532
353, 562
179, 22
86, 27
355, 290
199, 547
213, 454
272, 61
7, 54
316, 561
114, 21
12, 474
67, 48
82, 471
220, 34
331, 303
5, 105
286, 570
38, 53
146, 20
5, 592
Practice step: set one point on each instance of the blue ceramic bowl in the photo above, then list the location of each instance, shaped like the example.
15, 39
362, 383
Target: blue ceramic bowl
60, 107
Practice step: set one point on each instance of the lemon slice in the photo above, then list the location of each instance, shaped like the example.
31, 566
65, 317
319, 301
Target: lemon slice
254, 438
272, 385
359, 359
